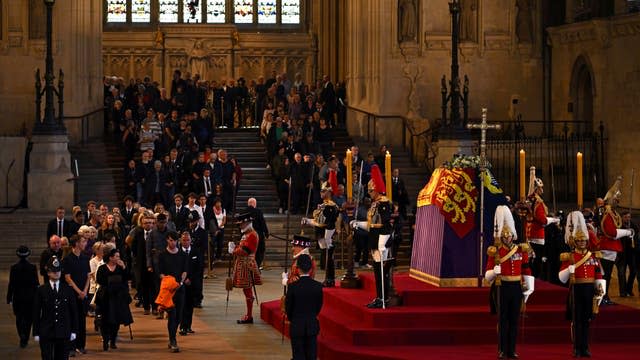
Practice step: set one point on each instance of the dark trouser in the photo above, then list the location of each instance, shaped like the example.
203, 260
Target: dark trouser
175, 315
109, 331
607, 266
146, 289
304, 347
24, 320
636, 262
328, 264
536, 262
583, 313
217, 241
187, 310
283, 194
510, 302
380, 282
261, 250
362, 248
626, 260
54, 349
81, 336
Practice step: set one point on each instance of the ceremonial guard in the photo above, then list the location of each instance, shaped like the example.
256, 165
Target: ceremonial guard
246, 274
55, 315
379, 227
23, 283
536, 223
508, 268
301, 246
587, 287
324, 221
609, 234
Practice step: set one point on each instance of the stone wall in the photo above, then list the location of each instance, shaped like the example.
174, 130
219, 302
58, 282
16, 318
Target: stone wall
609, 50
215, 51
13, 150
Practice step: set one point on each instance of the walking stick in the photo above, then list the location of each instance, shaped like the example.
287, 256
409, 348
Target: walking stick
286, 258
498, 284
572, 283
382, 276
255, 291
229, 281
306, 212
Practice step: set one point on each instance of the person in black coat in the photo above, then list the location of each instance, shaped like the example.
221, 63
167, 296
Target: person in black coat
303, 303
55, 317
260, 226
23, 283
113, 297
193, 282
58, 226
179, 213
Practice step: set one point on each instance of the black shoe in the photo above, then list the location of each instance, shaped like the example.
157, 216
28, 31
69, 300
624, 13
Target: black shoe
501, 355
245, 321
72, 353
82, 351
23, 344
623, 294
105, 345
189, 331
586, 353
198, 305
514, 355
375, 304
183, 332
329, 283
174, 347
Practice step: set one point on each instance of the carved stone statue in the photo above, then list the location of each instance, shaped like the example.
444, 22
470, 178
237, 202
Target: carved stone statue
407, 20
199, 59
524, 22
468, 17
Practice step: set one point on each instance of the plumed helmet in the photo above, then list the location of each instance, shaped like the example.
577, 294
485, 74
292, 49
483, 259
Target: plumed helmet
575, 229
614, 192
534, 182
325, 186
503, 223
376, 183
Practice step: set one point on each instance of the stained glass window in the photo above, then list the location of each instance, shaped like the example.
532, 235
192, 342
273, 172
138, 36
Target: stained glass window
140, 11
168, 11
216, 11
243, 11
117, 11
192, 11
267, 11
290, 12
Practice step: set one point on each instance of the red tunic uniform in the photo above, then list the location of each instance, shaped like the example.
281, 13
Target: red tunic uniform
514, 267
246, 271
609, 225
535, 226
586, 272
294, 272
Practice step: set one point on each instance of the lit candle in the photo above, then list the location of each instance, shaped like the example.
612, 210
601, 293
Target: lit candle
579, 178
349, 164
387, 166
522, 175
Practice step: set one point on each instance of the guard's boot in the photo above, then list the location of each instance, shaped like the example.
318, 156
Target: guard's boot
330, 275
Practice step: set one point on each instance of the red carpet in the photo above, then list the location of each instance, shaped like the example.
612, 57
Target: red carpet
455, 323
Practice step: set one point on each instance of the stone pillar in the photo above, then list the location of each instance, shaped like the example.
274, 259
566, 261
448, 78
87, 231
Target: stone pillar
50, 181
569, 11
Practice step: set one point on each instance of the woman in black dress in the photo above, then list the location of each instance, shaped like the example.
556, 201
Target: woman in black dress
113, 297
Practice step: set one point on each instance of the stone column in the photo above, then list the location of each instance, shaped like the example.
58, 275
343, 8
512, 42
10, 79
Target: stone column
50, 179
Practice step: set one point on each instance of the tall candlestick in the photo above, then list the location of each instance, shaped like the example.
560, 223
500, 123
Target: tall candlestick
522, 175
349, 161
388, 170
579, 178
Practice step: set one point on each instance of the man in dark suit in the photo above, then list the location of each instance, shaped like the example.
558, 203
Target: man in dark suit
127, 212
23, 283
55, 317
303, 304
399, 192
260, 226
58, 226
179, 213
193, 282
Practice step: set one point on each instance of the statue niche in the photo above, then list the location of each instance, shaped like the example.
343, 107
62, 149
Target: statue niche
407, 20
199, 59
468, 20
524, 21
37, 20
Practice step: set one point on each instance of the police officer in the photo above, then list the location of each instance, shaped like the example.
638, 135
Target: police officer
324, 221
55, 315
23, 283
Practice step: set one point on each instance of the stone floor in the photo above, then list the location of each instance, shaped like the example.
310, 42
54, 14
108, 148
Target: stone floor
217, 334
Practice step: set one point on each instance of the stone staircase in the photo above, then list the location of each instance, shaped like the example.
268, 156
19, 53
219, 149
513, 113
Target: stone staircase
23, 227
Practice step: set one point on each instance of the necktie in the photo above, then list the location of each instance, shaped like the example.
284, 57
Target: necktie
207, 186
55, 287
60, 228
146, 235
